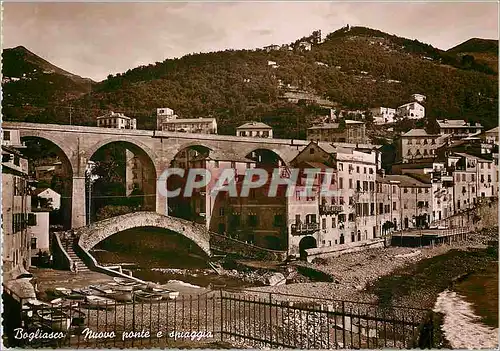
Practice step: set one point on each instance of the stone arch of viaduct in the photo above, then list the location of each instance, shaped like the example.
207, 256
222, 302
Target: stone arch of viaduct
79, 143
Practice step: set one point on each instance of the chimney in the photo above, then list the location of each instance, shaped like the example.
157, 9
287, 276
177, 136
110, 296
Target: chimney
382, 172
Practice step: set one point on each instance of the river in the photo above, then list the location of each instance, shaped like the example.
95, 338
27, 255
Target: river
161, 256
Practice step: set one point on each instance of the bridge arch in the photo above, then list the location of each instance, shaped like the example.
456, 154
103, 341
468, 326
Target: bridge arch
91, 235
60, 177
140, 172
271, 154
131, 142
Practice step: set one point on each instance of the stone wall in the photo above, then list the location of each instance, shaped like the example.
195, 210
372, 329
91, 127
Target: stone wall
229, 245
334, 251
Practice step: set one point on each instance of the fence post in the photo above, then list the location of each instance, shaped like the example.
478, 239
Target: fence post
221, 318
270, 319
343, 324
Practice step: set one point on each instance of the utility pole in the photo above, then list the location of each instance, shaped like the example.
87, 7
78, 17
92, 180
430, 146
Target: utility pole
70, 111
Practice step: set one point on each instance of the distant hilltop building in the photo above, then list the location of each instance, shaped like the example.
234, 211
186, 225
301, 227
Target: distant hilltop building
255, 129
411, 110
116, 120
273, 47
167, 120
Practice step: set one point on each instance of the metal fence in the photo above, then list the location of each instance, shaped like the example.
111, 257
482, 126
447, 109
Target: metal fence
250, 320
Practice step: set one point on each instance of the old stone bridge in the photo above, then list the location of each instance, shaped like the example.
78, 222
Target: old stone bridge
91, 235
155, 149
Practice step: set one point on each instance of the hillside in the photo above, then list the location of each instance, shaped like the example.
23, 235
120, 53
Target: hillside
30, 83
353, 68
483, 51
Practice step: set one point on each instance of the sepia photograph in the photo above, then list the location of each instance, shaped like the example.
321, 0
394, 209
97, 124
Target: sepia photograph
250, 175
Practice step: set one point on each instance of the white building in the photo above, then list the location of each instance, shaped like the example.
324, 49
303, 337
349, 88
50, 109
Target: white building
52, 197
419, 97
492, 136
458, 128
39, 231
411, 110
116, 120
383, 115
304, 45
255, 129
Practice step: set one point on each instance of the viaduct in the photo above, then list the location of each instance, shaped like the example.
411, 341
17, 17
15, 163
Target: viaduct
155, 149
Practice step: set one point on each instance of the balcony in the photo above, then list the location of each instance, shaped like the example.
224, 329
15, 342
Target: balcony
304, 228
330, 209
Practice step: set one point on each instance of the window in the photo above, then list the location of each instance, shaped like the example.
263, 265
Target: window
297, 219
221, 211
472, 177
278, 220
353, 238
216, 163
405, 190
370, 170
341, 183
323, 223
489, 178
311, 151
341, 167
358, 185
6, 135
364, 170
31, 219
420, 190
426, 190
463, 177
357, 169
394, 189
351, 217
350, 183
333, 222
394, 208
33, 243
252, 220
365, 186
489, 165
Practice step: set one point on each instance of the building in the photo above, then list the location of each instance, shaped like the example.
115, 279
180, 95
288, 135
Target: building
46, 198
254, 129
347, 131
415, 200
492, 136
168, 121
305, 46
458, 128
383, 115
39, 232
411, 110
418, 97
272, 47
417, 144
116, 120
16, 207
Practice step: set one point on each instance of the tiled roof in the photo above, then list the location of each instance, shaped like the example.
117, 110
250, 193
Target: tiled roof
407, 181
417, 133
254, 125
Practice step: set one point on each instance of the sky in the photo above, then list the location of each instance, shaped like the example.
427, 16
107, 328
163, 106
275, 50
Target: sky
96, 39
